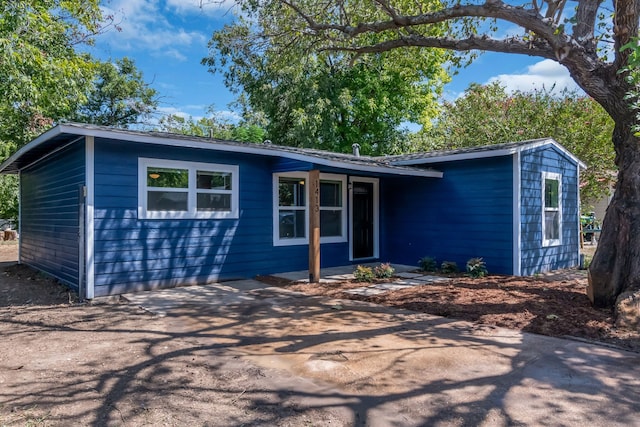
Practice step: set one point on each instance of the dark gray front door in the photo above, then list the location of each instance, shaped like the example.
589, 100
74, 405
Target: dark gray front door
363, 220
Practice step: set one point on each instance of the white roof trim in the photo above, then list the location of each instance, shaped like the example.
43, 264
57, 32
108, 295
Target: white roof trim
248, 149
490, 153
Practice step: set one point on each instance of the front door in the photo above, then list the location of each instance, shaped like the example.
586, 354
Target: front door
364, 219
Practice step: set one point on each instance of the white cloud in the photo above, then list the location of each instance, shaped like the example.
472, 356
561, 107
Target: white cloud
144, 25
546, 74
205, 7
227, 116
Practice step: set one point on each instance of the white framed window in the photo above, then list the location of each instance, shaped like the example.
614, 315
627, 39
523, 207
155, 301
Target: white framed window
551, 209
170, 189
291, 208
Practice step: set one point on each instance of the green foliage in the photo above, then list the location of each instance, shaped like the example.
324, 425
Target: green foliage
427, 263
9, 197
42, 75
118, 96
212, 127
363, 273
384, 271
324, 99
476, 267
631, 72
449, 267
488, 115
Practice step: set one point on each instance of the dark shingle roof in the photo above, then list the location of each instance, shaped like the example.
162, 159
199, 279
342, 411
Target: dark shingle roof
66, 133
493, 150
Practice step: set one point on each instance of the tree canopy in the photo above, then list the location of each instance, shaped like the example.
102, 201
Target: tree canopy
118, 96
212, 127
324, 99
489, 115
46, 78
42, 74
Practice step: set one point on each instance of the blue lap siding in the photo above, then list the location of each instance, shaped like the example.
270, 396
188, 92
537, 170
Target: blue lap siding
535, 257
49, 226
468, 213
134, 254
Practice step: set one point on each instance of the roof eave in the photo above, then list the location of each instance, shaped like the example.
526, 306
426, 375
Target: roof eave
64, 128
490, 153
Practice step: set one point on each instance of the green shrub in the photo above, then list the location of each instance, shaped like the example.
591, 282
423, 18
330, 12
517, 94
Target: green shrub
427, 264
476, 267
363, 274
384, 271
448, 267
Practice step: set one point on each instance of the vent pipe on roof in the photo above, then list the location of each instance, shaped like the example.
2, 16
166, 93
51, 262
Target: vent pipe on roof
356, 149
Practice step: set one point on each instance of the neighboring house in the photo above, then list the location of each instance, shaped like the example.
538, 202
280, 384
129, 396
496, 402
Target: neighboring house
109, 211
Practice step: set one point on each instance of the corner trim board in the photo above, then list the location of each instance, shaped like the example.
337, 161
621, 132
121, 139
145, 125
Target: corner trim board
89, 217
517, 211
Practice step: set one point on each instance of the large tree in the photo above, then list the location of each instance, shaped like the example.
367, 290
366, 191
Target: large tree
213, 127
118, 96
587, 37
490, 115
43, 77
323, 99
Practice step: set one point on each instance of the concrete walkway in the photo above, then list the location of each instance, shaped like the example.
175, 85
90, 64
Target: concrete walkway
386, 367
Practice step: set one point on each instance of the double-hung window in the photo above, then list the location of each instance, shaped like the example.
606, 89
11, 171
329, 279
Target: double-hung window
291, 209
551, 209
173, 189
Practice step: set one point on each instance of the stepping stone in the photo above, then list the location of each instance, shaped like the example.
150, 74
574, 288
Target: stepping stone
408, 283
365, 292
432, 279
348, 276
408, 275
394, 286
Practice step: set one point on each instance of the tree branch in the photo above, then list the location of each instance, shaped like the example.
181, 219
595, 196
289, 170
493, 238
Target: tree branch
526, 18
535, 48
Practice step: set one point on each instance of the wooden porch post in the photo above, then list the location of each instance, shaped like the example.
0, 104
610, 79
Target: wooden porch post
314, 226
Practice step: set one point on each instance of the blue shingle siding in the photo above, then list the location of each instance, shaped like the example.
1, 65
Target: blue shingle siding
534, 257
468, 213
50, 197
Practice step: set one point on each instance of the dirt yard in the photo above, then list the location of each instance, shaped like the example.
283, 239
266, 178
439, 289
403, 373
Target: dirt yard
65, 363
114, 364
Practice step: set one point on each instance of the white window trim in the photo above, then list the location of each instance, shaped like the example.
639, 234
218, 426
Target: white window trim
192, 167
556, 177
343, 180
277, 241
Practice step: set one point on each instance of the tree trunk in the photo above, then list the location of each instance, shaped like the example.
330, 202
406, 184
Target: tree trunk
615, 267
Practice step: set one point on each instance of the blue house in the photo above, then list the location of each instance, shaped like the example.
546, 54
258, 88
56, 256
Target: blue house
109, 211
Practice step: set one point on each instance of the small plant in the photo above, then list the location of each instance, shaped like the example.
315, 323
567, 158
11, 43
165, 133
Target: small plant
476, 267
363, 274
448, 267
384, 271
427, 264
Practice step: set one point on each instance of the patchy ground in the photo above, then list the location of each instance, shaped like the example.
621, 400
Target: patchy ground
554, 304
289, 361
63, 363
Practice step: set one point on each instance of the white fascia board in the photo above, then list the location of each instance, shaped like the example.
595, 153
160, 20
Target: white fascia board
30, 146
460, 156
175, 142
491, 153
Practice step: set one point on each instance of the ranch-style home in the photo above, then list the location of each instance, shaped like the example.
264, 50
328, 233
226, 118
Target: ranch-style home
108, 211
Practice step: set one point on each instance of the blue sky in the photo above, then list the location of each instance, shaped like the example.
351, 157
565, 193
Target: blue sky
168, 38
